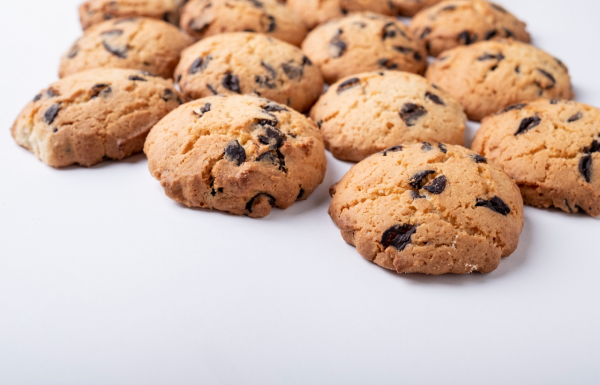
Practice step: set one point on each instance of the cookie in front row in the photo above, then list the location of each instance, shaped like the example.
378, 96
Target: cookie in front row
367, 113
236, 153
551, 148
96, 11
92, 115
431, 209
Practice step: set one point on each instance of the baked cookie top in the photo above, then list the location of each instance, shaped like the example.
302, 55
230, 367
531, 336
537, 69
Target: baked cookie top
363, 42
552, 150
315, 12
134, 43
244, 63
92, 115
488, 76
411, 7
429, 208
463, 22
96, 11
369, 112
236, 153
202, 18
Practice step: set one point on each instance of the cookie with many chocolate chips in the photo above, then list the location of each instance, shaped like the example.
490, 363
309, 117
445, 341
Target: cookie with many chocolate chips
93, 115
411, 7
366, 113
363, 42
135, 43
489, 76
551, 148
245, 63
236, 153
202, 18
458, 22
315, 12
96, 11
429, 209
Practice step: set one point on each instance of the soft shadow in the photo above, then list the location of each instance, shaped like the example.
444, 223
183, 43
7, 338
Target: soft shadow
134, 159
470, 131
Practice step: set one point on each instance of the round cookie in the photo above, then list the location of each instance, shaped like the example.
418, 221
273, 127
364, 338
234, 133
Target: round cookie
202, 18
488, 76
463, 22
315, 12
363, 42
366, 113
551, 148
245, 63
96, 11
236, 153
411, 7
92, 115
134, 43
429, 208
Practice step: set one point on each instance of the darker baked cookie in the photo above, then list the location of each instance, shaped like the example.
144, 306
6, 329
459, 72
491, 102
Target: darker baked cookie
96, 11
315, 12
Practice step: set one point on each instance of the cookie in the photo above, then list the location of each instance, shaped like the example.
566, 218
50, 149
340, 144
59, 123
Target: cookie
411, 7
458, 22
429, 208
236, 153
202, 18
551, 148
244, 63
363, 42
488, 76
92, 115
315, 12
96, 11
134, 43
367, 113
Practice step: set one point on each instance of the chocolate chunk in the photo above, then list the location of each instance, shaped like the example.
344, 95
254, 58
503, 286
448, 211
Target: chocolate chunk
425, 32
489, 56
348, 84
448, 8
595, 147
267, 80
411, 112
393, 149
231, 82
167, 94
527, 124
549, 76
272, 137
398, 236
120, 52
199, 65
269, 22
519, 106
134, 78
575, 117
479, 159
320, 124
100, 89
438, 185
257, 3
235, 153
466, 38
415, 195
495, 204
585, 167
37, 97
337, 48
404, 50
508, 32
252, 201
272, 107
434, 98
416, 181
490, 34
276, 160
387, 64
51, 113
391, 30
73, 52
554, 101
292, 71
417, 56
497, 7
306, 61
443, 148
426, 146
55, 130
203, 110
178, 80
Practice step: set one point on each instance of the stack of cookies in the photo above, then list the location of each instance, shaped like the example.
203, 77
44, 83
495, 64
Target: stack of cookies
235, 102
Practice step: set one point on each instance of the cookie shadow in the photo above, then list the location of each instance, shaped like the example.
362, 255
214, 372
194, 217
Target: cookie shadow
130, 160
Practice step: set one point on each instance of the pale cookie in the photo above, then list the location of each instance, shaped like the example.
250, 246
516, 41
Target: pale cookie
96, 11
429, 208
315, 12
236, 153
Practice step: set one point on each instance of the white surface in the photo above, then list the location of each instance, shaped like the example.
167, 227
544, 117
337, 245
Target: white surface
103, 280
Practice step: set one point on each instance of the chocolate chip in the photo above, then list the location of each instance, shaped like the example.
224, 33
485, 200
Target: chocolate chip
37, 97
495, 204
426, 146
348, 84
272, 107
51, 113
301, 194
100, 88
479, 159
404, 50
134, 78
199, 26
489, 56
575, 117
443, 148
257, 3
167, 94
73, 52
393, 149
231, 82
497, 7
519, 106
178, 79
167, 17
252, 201
398, 236
276, 160
448, 8
235, 153
595, 147
199, 65
337, 48
391, 30
466, 38
387, 64
549, 76
415, 195
203, 110
425, 32
212, 89
585, 167
55, 130
319, 124
292, 71
434, 98
527, 124
120, 52
306, 61
416, 181
269, 79
508, 32
554, 101
438, 185
270, 22
272, 137
411, 112
490, 34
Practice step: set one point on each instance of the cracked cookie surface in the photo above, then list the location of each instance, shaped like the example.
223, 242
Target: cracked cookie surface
551, 148
246, 63
429, 208
92, 115
236, 153
369, 112
364, 42
133, 43
315, 12
489, 76
96, 11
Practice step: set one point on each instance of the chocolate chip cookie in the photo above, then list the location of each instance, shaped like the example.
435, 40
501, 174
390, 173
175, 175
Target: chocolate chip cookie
202, 18
245, 63
488, 76
96, 11
92, 115
458, 22
429, 208
236, 153
315, 12
411, 7
363, 42
551, 148
366, 113
135, 43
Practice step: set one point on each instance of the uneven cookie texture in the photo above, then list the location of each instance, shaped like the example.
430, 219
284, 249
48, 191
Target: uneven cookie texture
363, 42
93, 115
245, 63
459, 22
202, 18
366, 113
236, 153
96, 11
133, 43
551, 148
429, 208
315, 12
488, 76
411, 7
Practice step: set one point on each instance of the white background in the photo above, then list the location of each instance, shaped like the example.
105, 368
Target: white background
103, 280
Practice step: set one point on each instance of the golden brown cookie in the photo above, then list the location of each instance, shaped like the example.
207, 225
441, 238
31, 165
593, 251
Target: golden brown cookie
411, 7
96, 11
315, 12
